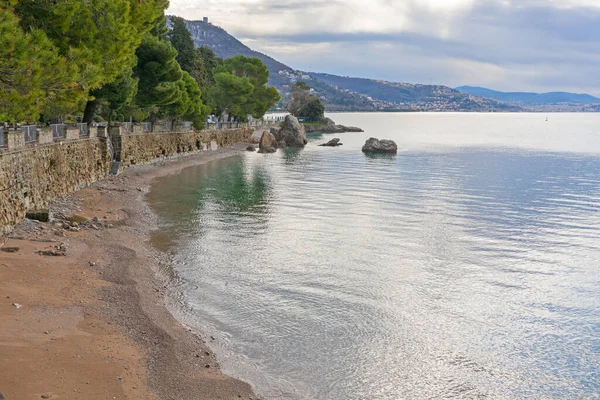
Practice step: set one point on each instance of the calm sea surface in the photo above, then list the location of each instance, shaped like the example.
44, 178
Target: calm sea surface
468, 266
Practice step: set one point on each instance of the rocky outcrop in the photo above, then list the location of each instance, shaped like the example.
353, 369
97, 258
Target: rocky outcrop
383, 146
331, 129
291, 132
332, 143
267, 143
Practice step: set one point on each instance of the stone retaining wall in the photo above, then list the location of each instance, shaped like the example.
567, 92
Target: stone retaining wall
31, 176
143, 148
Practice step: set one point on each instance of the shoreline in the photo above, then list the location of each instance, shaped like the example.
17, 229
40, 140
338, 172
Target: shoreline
94, 324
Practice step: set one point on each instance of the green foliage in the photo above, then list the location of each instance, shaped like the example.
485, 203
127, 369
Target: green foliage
210, 62
230, 94
181, 39
118, 58
158, 73
313, 110
32, 74
189, 105
98, 36
61, 50
300, 87
306, 105
164, 69
115, 96
243, 79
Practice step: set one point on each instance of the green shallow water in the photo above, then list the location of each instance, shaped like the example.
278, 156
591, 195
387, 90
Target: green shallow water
464, 267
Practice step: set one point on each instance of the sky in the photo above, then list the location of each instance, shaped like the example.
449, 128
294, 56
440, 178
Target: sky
508, 45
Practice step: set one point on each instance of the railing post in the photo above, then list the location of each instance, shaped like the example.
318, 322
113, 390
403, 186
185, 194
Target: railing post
15, 140
45, 135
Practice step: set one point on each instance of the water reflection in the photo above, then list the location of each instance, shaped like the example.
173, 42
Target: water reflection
232, 187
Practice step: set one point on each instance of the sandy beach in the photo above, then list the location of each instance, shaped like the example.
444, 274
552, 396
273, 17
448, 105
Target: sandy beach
92, 323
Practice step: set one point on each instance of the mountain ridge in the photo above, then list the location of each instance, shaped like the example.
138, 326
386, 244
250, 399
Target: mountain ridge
343, 93
531, 98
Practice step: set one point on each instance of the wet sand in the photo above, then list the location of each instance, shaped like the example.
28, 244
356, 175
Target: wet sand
93, 324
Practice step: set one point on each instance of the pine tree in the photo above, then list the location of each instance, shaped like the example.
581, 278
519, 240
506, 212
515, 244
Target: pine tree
97, 37
240, 103
32, 74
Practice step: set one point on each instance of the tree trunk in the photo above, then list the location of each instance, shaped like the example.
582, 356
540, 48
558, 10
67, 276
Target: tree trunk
89, 112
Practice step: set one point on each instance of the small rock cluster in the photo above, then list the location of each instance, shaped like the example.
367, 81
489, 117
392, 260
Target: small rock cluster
290, 134
331, 127
57, 251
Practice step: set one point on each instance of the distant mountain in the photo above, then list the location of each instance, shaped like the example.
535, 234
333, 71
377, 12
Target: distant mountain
341, 93
424, 97
531, 98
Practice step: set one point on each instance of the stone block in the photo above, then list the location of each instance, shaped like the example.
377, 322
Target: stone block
72, 133
116, 130
45, 135
15, 140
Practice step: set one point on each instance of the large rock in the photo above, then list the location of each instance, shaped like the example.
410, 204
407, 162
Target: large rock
267, 143
267, 139
329, 126
291, 132
383, 146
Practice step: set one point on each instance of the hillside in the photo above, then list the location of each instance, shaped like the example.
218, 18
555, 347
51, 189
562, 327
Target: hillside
531, 98
282, 76
346, 94
414, 96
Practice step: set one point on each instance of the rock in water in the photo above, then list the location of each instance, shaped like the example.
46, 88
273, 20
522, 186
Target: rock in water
332, 143
292, 132
383, 146
250, 148
267, 143
267, 139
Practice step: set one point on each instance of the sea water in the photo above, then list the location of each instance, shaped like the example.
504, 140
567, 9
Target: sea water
467, 266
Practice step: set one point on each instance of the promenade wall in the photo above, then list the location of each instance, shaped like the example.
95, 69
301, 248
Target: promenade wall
36, 169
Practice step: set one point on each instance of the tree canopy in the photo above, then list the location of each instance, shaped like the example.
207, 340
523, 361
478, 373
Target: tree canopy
107, 57
244, 79
306, 105
32, 74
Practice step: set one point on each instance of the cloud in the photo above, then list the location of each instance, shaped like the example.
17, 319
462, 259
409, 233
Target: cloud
540, 45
